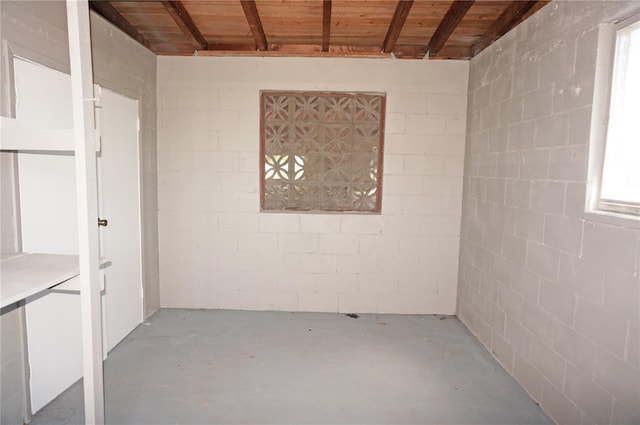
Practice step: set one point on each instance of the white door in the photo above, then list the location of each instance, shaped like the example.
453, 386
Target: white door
49, 224
119, 204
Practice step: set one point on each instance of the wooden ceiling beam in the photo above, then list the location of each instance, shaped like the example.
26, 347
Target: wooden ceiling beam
399, 18
454, 15
326, 24
253, 18
179, 13
108, 12
231, 47
505, 22
453, 38
306, 50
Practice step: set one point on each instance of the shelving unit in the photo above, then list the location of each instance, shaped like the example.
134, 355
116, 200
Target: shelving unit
24, 274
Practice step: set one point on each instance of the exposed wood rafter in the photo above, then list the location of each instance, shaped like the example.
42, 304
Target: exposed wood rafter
305, 50
448, 24
253, 18
107, 11
459, 29
326, 24
179, 14
505, 22
230, 47
399, 18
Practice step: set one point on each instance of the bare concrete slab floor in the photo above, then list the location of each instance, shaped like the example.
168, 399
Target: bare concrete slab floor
227, 367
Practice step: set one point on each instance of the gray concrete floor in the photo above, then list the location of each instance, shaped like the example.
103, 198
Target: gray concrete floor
227, 367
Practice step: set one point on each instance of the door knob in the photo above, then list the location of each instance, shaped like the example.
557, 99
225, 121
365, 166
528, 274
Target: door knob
103, 222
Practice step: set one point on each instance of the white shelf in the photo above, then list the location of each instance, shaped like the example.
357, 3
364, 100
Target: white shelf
23, 275
73, 285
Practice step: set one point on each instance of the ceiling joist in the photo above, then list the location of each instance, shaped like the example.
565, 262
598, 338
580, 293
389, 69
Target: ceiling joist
251, 12
449, 23
400, 16
326, 24
302, 50
505, 22
182, 18
107, 11
441, 29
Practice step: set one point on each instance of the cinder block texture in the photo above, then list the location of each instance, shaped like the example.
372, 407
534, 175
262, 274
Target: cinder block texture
551, 291
217, 250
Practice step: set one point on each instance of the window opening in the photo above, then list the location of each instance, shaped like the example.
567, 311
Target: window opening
620, 180
321, 151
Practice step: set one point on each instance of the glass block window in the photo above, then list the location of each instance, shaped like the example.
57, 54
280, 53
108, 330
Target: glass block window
321, 151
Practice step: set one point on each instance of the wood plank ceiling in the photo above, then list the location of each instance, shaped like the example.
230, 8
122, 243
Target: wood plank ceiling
443, 29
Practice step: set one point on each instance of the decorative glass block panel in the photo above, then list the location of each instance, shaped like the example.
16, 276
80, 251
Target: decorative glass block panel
321, 151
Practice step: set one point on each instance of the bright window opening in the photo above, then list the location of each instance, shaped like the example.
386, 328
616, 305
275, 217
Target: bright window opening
620, 184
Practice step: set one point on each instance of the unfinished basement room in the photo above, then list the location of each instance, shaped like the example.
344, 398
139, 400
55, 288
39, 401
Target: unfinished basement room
320, 212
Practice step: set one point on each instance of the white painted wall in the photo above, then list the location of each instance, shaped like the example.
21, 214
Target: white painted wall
48, 224
551, 291
12, 370
218, 251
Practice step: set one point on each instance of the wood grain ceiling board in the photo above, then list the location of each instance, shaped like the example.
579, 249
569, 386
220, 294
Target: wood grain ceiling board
183, 19
474, 24
361, 22
397, 24
296, 27
221, 21
424, 18
153, 22
291, 22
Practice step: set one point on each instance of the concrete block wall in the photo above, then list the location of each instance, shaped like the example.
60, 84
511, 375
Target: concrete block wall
553, 292
217, 250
